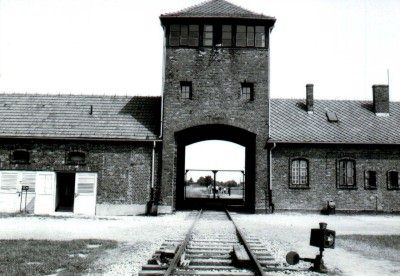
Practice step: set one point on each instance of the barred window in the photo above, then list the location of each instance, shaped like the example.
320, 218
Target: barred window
208, 35
370, 180
186, 89
299, 173
247, 91
347, 177
20, 157
184, 35
226, 35
76, 158
393, 180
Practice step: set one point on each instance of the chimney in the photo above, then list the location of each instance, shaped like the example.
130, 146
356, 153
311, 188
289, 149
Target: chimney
310, 98
381, 99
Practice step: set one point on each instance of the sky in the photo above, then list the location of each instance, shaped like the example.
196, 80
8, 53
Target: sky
116, 46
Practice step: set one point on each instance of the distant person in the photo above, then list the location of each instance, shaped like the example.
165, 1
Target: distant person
229, 191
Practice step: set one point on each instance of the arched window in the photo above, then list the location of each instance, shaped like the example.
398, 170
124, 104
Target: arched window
299, 173
347, 173
393, 180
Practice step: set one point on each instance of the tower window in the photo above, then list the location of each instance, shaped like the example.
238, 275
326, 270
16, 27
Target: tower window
393, 180
193, 35
226, 35
260, 36
247, 91
184, 35
370, 180
20, 157
250, 36
241, 36
186, 90
208, 35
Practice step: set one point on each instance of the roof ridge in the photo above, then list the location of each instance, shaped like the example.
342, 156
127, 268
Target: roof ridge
327, 100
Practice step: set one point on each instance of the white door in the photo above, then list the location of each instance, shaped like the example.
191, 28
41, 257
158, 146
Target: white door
9, 191
45, 193
85, 193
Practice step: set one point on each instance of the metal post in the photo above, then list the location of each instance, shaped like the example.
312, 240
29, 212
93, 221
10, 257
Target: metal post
26, 195
215, 183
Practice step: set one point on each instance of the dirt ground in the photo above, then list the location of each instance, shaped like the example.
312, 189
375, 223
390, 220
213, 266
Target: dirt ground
365, 244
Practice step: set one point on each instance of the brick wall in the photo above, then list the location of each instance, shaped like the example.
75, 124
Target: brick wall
124, 169
216, 76
323, 163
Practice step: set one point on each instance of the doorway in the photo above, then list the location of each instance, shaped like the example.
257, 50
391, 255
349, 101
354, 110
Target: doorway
203, 183
65, 192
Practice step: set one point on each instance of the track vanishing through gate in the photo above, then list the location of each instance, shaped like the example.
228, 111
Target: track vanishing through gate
213, 245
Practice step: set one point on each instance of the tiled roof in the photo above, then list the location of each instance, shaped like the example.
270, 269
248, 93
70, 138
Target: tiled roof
357, 123
68, 116
217, 8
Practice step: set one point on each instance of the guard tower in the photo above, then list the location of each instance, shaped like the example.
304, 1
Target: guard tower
216, 86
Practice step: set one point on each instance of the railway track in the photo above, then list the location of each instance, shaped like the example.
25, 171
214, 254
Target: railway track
214, 245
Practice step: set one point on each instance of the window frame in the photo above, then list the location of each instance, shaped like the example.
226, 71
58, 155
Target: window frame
249, 85
189, 35
339, 185
20, 161
367, 185
190, 93
299, 186
69, 161
388, 182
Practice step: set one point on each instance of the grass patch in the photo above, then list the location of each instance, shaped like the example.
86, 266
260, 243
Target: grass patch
33, 257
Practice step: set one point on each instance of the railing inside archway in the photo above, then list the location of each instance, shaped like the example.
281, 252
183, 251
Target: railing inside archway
214, 184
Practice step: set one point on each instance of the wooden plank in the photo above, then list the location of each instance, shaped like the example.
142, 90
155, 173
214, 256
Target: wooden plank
240, 256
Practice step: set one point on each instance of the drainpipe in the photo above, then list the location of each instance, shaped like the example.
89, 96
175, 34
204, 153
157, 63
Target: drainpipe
271, 204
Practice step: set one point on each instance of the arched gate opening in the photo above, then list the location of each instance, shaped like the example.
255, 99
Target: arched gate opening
231, 188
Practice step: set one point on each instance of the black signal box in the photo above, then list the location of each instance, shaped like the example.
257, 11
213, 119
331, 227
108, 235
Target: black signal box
322, 238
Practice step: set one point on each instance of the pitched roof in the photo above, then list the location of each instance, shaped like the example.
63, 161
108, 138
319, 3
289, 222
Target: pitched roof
357, 123
217, 8
68, 117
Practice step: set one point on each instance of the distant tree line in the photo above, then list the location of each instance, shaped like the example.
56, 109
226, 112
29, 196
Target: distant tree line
208, 180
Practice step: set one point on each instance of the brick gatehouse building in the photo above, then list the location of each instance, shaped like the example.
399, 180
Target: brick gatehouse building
111, 155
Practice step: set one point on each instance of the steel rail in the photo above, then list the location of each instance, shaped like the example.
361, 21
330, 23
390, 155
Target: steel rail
257, 266
175, 261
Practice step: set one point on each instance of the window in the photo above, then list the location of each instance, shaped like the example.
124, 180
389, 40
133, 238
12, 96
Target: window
20, 157
226, 35
393, 180
247, 92
370, 180
208, 35
347, 178
299, 173
186, 89
184, 35
250, 36
260, 36
193, 35
76, 158
241, 36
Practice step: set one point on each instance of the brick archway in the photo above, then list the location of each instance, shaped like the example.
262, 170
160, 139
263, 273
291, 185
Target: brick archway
228, 133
